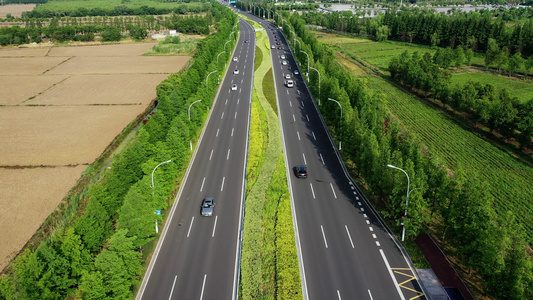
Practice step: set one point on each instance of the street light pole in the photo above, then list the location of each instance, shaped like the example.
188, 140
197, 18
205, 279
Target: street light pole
207, 79
219, 55
189, 111
407, 200
156, 168
340, 123
318, 84
156, 228
307, 63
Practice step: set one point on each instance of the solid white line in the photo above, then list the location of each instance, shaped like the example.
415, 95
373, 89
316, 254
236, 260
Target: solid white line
307, 118
211, 155
298, 133
324, 236
314, 135
322, 159
349, 236
227, 156
202, 187
391, 274
313, 191
339, 294
190, 226
214, 227
222, 186
333, 190
293, 118
217, 132
370, 294
203, 286
172, 289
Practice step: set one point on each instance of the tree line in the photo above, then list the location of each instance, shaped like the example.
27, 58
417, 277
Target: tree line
99, 254
471, 30
497, 109
488, 241
119, 10
110, 29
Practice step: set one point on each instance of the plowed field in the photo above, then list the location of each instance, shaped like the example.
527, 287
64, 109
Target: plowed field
59, 109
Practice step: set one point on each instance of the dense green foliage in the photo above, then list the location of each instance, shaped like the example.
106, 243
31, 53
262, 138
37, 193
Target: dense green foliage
496, 108
471, 30
110, 28
80, 8
99, 255
491, 243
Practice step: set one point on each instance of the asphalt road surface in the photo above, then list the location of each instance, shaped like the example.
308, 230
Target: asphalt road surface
345, 251
198, 257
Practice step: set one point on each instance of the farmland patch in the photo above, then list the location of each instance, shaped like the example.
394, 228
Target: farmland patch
28, 196
60, 107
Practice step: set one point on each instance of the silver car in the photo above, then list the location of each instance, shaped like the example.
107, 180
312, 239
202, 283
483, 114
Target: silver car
208, 207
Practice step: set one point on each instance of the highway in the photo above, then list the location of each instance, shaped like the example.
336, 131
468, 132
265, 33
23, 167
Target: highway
198, 257
345, 252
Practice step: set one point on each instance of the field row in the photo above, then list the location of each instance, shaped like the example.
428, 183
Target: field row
509, 180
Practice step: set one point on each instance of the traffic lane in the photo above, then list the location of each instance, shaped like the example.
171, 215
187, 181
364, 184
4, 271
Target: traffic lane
189, 207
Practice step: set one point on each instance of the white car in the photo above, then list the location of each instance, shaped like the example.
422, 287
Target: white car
287, 76
234, 87
283, 57
236, 71
284, 62
273, 46
296, 72
289, 83
235, 58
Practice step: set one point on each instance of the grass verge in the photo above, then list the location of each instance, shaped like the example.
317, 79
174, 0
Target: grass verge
269, 263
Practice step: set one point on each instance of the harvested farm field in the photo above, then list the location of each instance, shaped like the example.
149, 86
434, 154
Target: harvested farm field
60, 107
15, 10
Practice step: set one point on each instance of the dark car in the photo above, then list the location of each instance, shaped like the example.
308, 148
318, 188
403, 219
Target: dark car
300, 171
208, 207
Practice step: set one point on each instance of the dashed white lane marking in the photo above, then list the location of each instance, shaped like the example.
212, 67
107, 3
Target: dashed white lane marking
214, 227
202, 186
322, 159
349, 236
312, 190
324, 236
298, 133
333, 190
190, 226
222, 186
305, 161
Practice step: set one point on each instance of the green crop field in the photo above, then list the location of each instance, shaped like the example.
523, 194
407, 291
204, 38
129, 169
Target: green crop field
72, 5
509, 180
518, 88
